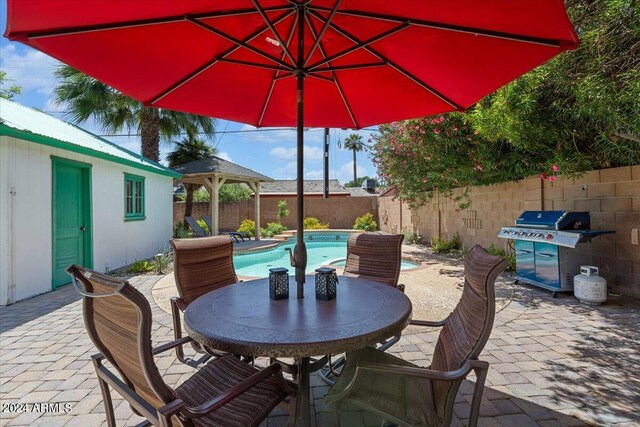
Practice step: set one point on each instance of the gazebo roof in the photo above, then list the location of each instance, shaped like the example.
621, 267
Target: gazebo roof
223, 168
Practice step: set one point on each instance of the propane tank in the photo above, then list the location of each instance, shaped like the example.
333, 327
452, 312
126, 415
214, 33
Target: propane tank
588, 287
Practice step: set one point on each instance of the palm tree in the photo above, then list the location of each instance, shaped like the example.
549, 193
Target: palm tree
86, 97
353, 142
189, 149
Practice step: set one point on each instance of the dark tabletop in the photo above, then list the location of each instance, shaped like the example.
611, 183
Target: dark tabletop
242, 319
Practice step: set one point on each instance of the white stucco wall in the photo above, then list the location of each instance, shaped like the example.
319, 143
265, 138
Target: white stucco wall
25, 236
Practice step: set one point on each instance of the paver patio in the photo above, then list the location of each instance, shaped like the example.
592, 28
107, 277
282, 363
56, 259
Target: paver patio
554, 362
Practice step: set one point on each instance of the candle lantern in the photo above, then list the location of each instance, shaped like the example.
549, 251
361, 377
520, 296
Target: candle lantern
278, 283
326, 283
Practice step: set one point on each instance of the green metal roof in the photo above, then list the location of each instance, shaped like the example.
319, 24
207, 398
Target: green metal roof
31, 125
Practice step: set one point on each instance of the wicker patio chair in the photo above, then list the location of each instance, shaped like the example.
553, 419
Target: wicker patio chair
225, 392
376, 257
193, 225
408, 395
199, 266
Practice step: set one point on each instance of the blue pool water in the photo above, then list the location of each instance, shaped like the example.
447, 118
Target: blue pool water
321, 250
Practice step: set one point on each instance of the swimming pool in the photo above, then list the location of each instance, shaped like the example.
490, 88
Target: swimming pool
322, 248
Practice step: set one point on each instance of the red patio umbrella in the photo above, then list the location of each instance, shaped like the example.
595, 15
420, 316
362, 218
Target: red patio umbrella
360, 62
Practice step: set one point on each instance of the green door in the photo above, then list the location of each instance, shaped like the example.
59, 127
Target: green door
71, 217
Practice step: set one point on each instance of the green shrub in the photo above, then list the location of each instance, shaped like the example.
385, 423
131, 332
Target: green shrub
203, 225
180, 231
273, 228
282, 210
141, 266
248, 226
447, 247
412, 237
312, 223
510, 257
365, 222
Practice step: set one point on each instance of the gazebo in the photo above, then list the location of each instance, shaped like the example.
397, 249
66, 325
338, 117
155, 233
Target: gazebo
212, 173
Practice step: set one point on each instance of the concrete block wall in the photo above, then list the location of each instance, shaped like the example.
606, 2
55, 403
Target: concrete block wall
612, 196
339, 212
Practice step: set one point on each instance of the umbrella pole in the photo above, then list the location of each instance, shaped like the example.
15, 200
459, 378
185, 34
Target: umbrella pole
300, 250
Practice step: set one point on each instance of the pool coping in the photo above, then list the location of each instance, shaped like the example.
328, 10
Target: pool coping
289, 234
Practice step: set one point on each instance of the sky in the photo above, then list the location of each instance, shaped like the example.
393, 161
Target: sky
271, 152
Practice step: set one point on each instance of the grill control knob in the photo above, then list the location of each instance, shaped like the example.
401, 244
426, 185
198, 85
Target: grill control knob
549, 236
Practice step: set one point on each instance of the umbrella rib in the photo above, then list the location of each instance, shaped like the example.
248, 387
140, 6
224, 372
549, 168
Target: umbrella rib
325, 27
393, 65
252, 64
275, 75
335, 81
212, 62
263, 13
350, 67
141, 23
239, 42
357, 46
448, 27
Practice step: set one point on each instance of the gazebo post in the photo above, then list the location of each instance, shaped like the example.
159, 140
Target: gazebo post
255, 187
257, 202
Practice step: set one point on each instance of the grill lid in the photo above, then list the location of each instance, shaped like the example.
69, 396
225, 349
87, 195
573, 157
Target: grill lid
540, 219
554, 220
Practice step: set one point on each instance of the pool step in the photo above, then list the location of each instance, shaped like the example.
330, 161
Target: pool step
282, 237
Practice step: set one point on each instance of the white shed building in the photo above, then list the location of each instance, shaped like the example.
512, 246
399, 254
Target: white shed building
68, 196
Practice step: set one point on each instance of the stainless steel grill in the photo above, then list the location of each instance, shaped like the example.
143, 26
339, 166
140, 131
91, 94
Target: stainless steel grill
543, 246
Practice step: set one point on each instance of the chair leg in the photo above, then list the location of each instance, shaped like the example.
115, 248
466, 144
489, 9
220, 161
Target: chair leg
106, 397
293, 411
481, 376
177, 329
337, 409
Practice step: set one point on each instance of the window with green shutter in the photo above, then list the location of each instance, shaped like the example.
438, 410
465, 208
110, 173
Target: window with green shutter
133, 197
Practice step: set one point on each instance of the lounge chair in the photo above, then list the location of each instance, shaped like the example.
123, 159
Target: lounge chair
193, 224
234, 234
376, 257
408, 395
199, 266
224, 392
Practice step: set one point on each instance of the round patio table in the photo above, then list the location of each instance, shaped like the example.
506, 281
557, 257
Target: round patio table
242, 319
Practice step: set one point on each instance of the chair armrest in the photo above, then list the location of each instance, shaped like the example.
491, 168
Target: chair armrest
412, 371
416, 371
179, 303
217, 402
433, 324
172, 344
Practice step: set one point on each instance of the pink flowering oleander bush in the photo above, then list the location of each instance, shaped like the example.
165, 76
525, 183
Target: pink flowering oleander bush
434, 155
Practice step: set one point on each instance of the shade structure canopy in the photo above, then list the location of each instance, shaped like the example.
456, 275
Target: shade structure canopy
366, 61
354, 62
213, 172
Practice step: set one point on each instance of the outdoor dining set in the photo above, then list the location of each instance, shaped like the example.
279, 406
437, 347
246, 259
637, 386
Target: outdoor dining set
340, 328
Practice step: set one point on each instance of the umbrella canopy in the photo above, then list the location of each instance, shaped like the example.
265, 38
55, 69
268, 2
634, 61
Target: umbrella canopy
368, 61
358, 62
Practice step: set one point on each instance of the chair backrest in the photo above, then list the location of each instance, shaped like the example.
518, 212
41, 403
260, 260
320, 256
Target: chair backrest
374, 256
118, 319
469, 325
193, 224
207, 220
202, 265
